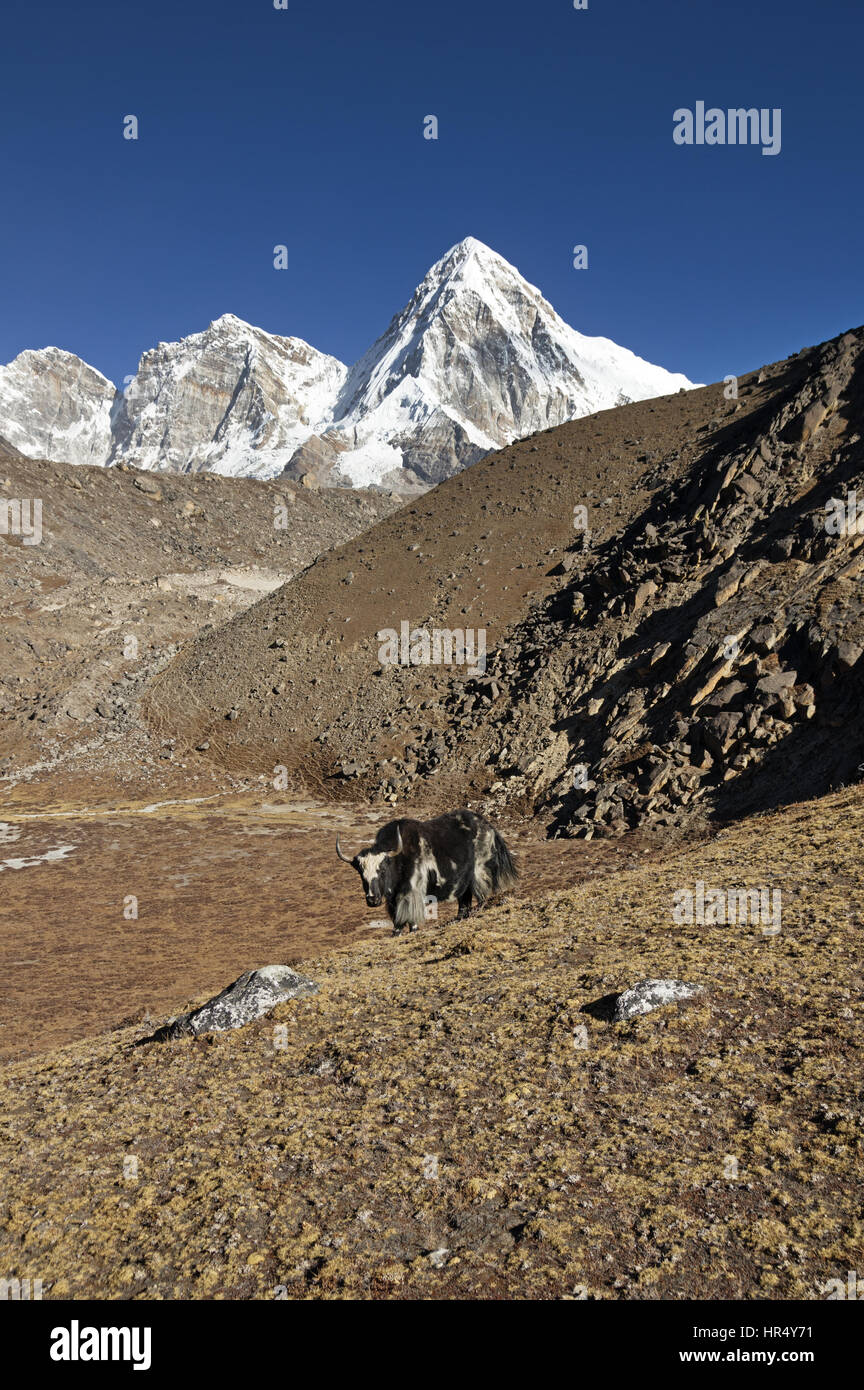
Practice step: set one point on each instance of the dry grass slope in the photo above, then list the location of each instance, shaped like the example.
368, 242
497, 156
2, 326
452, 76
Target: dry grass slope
560, 1169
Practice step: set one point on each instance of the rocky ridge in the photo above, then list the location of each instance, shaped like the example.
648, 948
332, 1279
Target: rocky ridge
706, 660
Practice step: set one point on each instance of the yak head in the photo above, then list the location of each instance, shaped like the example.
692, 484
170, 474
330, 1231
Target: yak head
376, 867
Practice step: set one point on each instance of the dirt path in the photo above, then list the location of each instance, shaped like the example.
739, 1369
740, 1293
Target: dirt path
218, 889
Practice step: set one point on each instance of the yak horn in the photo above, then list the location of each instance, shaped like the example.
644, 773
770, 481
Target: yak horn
339, 853
398, 849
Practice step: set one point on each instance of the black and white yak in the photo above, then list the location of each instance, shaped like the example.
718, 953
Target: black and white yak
455, 857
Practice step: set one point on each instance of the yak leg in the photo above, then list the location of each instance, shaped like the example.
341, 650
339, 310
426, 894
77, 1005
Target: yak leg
464, 905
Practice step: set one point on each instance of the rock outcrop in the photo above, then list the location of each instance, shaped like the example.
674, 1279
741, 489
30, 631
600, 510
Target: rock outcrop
710, 653
255, 993
232, 400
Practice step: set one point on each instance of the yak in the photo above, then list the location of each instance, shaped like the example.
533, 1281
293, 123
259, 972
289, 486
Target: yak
455, 857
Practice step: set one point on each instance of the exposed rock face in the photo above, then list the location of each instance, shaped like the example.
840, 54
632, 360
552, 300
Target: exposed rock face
52, 405
648, 995
316, 461
233, 400
475, 360
254, 994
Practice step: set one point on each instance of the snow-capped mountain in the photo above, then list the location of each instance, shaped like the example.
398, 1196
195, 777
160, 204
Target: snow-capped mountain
232, 400
53, 406
475, 360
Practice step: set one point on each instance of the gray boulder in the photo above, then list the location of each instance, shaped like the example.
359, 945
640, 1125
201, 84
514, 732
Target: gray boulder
254, 994
651, 994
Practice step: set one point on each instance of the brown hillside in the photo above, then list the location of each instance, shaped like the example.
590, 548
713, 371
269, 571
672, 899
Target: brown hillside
130, 554
590, 647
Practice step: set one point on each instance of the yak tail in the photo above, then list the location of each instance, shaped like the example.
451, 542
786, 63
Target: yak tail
504, 871
497, 873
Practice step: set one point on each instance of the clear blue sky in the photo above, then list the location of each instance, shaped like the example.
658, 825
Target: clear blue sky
304, 127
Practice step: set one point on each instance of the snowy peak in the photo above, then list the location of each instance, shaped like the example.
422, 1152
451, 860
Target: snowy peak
52, 405
472, 270
476, 359
231, 399
468, 265
470, 262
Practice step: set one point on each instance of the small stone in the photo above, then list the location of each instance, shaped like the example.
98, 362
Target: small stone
149, 488
776, 682
764, 638
646, 591
727, 693
748, 485
848, 654
648, 995
726, 587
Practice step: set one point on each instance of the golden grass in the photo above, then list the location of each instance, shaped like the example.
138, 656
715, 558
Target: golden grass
433, 1097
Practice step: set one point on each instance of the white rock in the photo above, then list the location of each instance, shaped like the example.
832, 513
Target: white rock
651, 994
248, 998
